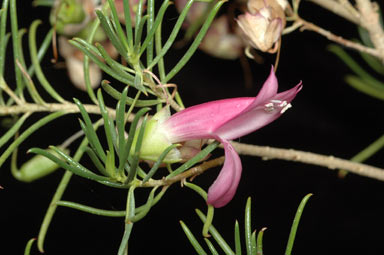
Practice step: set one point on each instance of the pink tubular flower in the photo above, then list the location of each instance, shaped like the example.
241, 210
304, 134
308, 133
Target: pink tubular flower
225, 120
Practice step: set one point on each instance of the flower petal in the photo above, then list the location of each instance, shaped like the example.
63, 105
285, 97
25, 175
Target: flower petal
225, 185
259, 113
200, 121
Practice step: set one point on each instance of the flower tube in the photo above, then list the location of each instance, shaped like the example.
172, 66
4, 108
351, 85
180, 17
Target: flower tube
222, 120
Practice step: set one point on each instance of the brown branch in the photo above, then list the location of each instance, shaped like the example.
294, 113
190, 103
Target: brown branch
305, 25
197, 170
339, 9
370, 20
330, 162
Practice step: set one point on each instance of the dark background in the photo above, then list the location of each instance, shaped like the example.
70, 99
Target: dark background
345, 216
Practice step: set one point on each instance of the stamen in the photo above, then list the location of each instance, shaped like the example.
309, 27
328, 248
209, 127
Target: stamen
286, 107
269, 107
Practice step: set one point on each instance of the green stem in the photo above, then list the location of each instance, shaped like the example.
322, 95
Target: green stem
51, 210
130, 212
56, 198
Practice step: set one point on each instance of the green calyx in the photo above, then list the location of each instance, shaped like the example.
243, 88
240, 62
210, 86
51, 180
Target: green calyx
67, 12
155, 140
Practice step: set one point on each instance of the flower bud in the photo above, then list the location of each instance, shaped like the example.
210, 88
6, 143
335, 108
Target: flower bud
68, 16
36, 168
263, 24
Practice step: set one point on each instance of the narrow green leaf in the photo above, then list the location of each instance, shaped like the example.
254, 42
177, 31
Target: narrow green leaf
295, 224
259, 246
136, 155
138, 17
248, 227
87, 79
15, 128
129, 101
211, 247
86, 49
128, 23
237, 239
96, 161
91, 210
368, 151
157, 164
116, 23
173, 35
192, 239
107, 26
145, 208
90, 131
35, 61
3, 37
131, 135
108, 126
36, 126
157, 198
42, 50
149, 38
199, 37
355, 67
364, 87
72, 165
47, 3
216, 235
57, 196
139, 32
116, 66
151, 19
28, 247
200, 156
373, 62
158, 47
16, 49
120, 124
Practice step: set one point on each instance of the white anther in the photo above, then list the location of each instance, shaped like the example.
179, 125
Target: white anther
269, 107
275, 101
286, 107
282, 104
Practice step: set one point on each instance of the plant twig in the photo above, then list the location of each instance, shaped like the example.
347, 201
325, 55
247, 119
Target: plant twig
338, 8
370, 20
189, 173
55, 107
245, 149
330, 162
338, 39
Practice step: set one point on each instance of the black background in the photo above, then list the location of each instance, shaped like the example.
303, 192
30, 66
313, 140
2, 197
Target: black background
345, 216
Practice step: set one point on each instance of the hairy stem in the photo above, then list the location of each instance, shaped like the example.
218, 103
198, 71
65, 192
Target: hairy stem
328, 161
